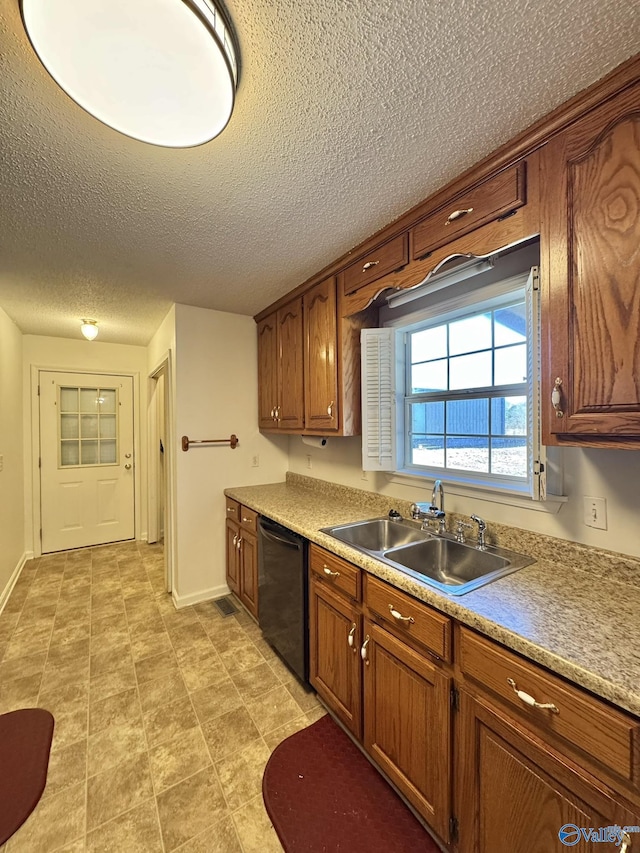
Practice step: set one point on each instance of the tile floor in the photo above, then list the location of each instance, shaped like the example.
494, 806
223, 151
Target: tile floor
164, 718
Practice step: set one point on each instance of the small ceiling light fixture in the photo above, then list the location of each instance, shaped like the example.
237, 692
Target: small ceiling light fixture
89, 329
160, 71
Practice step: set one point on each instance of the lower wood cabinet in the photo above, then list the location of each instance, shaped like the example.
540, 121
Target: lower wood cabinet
335, 637
515, 793
449, 716
242, 554
407, 723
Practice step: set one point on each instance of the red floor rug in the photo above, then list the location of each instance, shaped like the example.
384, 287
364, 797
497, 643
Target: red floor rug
25, 741
323, 796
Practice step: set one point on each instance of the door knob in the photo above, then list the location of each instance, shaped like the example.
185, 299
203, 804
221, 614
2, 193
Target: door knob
127, 466
127, 456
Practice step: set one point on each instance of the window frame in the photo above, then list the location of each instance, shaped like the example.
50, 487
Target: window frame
446, 308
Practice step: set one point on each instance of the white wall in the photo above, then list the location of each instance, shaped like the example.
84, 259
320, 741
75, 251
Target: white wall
611, 474
216, 381
11, 449
88, 356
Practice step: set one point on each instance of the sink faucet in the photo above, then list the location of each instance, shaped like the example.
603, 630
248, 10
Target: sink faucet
437, 500
426, 512
482, 526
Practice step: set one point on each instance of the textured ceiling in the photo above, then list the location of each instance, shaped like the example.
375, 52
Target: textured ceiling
348, 113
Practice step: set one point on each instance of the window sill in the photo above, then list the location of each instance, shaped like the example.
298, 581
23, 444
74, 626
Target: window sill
550, 505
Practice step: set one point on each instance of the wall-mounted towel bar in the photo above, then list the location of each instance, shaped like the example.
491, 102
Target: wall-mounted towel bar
232, 441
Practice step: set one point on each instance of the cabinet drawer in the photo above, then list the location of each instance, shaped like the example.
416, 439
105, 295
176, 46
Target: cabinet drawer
337, 573
248, 519
387, 258
233, 510
424, 625
494, 198
605, 735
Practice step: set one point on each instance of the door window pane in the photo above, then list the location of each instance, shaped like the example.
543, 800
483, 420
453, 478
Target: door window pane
69, 453
69, 426
107, 400
107, 452
96, 426
89, 424
68, 399
89, 452
88, 399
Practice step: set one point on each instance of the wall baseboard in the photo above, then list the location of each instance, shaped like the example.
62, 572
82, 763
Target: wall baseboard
210, 594
6, 592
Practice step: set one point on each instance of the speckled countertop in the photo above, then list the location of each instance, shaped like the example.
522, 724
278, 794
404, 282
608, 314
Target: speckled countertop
575, 610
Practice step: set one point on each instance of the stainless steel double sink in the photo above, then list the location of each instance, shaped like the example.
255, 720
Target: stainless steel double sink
440, 561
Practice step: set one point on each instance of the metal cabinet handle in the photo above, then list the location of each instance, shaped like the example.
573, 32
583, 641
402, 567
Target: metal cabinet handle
277, 413
239, 543
235, 540
457, 214
245, 519
369, 265
399, 617
128, 465
231, 509
351, 638
329, 573
529, 700
556, 397
330, 409
363, 650
626, 842
273, 414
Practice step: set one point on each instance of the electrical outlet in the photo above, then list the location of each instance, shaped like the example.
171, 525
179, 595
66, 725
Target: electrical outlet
255, 461
595, 513
309, 460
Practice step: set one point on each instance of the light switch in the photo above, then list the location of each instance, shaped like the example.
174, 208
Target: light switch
595, 513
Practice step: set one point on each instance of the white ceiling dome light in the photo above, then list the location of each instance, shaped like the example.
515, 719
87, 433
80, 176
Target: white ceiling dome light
89, 329
160, 71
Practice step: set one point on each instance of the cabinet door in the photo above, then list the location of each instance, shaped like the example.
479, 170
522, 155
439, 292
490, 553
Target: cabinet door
233, 556
267, 371
249, 572
290, 414
514, 795
592, 287
321, 367
334, 661
407, 724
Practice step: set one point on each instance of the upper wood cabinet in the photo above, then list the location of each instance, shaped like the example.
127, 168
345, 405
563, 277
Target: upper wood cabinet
591, 277
388, 257
497, 197
280, 368
320, 364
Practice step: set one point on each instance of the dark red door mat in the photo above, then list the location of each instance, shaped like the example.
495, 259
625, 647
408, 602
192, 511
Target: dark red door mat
323, 796
25, 741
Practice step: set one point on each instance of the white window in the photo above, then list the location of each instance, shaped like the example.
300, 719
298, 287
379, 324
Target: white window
452, 391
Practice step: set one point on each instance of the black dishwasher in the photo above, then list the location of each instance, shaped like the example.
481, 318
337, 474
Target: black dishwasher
282, 594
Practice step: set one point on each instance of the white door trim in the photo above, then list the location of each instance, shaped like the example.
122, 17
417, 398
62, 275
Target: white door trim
35, 446
165, 363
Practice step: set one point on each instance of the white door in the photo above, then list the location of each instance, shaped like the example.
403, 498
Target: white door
86, 459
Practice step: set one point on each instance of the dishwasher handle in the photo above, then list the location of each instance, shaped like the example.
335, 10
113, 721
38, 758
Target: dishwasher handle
269, 533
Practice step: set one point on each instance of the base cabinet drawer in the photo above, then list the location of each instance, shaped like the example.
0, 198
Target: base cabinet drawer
409, 618
343, 577
603, 736
516, 795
